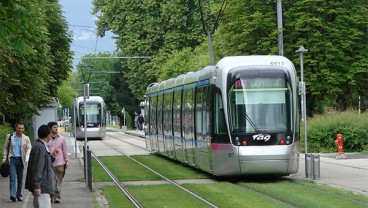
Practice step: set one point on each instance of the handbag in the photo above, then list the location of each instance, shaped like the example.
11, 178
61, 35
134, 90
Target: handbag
5, 167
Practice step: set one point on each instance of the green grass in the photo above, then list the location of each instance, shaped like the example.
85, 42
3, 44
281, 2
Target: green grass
123, 168
170, 168
164, 196
127, 170
225, 194
307, 194
115, 197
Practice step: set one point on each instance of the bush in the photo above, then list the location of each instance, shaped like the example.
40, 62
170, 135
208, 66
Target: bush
322, 131
4, 130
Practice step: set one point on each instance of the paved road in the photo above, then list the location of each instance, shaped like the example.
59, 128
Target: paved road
350, 173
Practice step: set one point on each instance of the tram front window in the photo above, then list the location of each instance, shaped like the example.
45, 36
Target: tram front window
259, 105
93, 115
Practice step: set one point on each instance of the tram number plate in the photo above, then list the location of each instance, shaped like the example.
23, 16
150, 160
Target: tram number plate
277, 63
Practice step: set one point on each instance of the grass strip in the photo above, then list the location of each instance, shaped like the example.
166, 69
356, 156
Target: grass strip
302, 196
170, 168
157, 196
123, 168
225, 194
115, 197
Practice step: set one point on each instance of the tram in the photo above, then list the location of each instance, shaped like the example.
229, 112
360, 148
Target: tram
239, 117
96, 117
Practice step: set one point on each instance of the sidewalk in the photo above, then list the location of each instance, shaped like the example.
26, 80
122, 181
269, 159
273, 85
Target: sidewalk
74, 194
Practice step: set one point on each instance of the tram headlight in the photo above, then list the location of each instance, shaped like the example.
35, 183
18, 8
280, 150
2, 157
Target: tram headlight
288, 140
237, 141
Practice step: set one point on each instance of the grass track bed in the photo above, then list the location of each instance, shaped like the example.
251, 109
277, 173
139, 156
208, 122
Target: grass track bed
126, 169
299, 194
245, 192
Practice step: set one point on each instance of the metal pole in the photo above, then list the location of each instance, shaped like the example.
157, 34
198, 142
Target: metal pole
86, 95
302, 50
210, 47
75, 128
279, 27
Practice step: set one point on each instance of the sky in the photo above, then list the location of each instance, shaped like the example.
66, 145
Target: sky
82, 25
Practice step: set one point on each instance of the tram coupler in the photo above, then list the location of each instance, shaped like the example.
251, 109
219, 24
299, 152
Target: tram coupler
340, 144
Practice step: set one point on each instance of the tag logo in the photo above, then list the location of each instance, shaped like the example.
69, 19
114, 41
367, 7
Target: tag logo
261, 137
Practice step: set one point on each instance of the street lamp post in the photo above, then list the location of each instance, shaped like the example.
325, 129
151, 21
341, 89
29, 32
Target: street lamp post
302, 92
124, 127
85, 97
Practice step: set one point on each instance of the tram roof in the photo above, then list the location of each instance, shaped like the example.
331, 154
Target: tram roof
91, 98
255, 60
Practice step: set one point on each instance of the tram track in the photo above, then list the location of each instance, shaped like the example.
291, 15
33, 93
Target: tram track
248, 188
155, 172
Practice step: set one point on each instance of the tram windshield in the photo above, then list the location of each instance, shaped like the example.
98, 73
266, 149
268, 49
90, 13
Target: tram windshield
93, 114
260, 105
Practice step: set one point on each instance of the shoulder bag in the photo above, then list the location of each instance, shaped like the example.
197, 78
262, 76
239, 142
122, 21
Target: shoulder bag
5, 167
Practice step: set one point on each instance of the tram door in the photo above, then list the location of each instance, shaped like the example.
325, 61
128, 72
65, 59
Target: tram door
202, 124
188, 124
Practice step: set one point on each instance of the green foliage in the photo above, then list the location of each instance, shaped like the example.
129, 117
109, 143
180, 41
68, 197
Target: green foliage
107, 78
4, 130
34, 55
322, 131
66, 94
335, 32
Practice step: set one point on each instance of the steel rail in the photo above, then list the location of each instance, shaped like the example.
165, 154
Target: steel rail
163, 177
117, 182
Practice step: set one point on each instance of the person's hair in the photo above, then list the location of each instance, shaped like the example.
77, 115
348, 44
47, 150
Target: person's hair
43, 131
51, 124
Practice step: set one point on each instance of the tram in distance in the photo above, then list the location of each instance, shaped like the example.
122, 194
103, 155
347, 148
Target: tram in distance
96, 117
240, 117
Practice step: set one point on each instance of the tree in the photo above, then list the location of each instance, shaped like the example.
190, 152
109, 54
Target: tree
26, 58
107, 79
148, 28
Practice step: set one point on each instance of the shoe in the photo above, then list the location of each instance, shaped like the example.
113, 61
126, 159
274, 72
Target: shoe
13, 198
57, 200
20, 198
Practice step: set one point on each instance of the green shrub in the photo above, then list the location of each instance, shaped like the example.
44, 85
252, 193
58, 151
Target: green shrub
322, 131
4, 130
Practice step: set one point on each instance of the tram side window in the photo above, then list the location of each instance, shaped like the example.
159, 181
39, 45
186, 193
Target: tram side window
167, 122
219, 122
159, 113
202, 114
153, 115
177, 112
188, 105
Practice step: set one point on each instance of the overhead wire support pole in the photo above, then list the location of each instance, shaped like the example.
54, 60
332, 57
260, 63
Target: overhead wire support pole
280, 28
210, 32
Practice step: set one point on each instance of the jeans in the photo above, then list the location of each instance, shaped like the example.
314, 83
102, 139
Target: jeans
16, 175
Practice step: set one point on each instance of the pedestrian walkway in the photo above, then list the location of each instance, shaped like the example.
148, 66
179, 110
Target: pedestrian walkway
74, 192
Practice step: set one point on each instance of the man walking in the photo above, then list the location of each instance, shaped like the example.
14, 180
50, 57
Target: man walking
19, 149
40, 179
57, 143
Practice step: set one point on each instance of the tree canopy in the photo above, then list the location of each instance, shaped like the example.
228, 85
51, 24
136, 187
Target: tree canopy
34, 55
171, 34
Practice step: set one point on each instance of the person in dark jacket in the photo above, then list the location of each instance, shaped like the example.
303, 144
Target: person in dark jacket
41, 179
